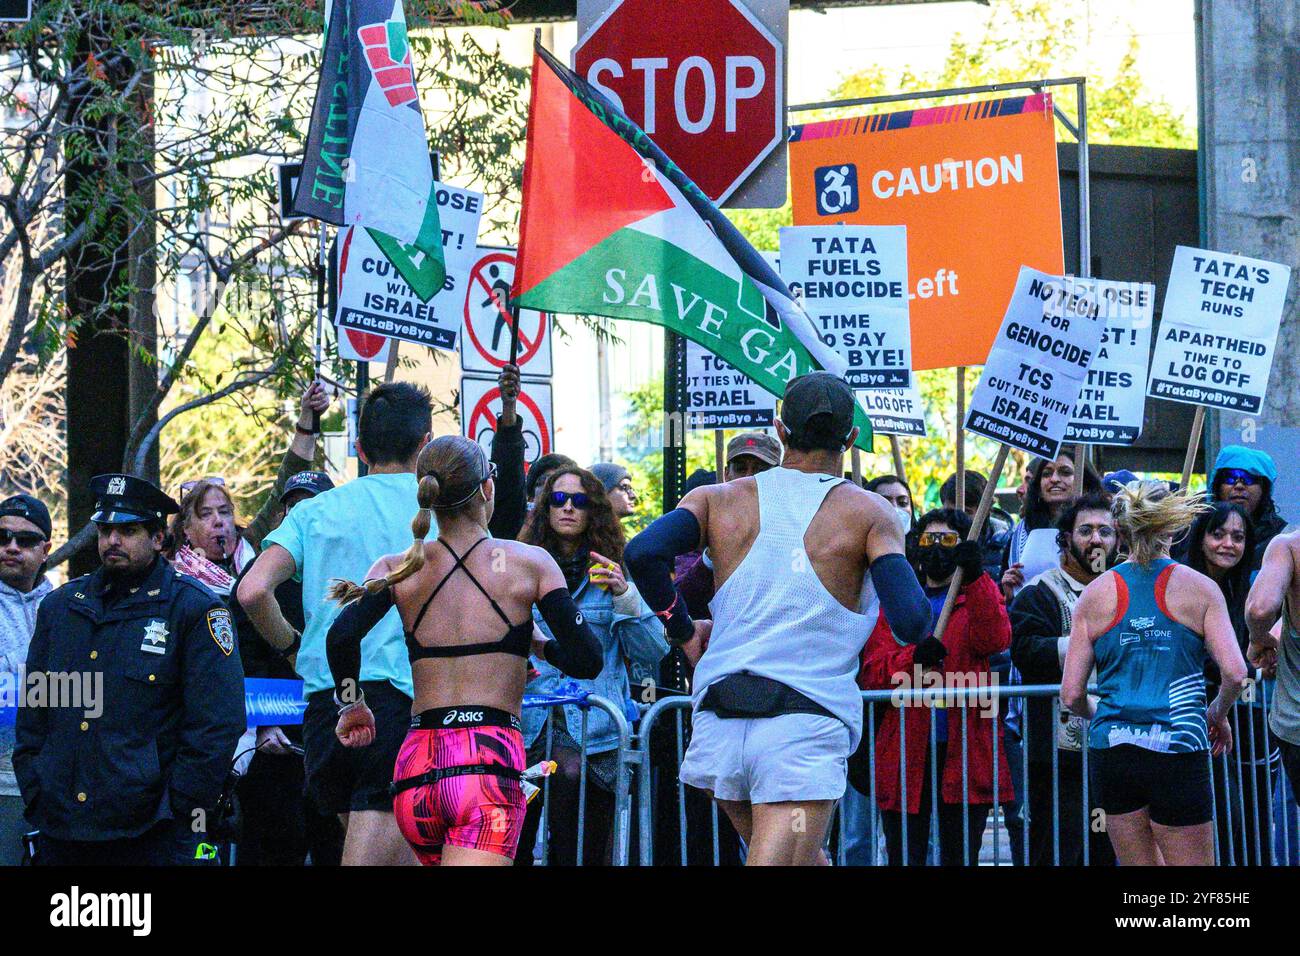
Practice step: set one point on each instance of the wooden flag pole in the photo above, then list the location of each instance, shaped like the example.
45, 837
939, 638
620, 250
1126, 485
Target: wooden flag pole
977, 524
961, 438
855, 463
1193, 444
514, 332
719, 455
390, 370
896, 450
319, 345
1080, 463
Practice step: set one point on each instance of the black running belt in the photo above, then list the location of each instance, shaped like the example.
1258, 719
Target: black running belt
461, 770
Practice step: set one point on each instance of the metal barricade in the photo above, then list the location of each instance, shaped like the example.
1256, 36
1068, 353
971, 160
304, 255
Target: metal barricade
622, 792
1253, 810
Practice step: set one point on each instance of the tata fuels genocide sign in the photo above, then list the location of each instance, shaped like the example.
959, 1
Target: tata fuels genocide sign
705, 80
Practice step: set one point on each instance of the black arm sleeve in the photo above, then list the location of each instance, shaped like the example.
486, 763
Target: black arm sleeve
511, 507
576, 649
649, 558
343, 642
905, 605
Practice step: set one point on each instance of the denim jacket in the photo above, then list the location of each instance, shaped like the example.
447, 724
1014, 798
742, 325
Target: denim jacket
639, 638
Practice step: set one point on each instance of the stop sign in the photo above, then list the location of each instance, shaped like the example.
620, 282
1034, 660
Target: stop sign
704, 83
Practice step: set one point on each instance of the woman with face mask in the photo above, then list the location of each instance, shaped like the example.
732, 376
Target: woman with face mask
977, 630
899, 494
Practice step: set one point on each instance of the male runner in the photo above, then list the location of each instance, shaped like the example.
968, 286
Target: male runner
1276, 592
777, 709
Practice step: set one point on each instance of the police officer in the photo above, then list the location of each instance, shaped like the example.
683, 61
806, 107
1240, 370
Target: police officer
123, 759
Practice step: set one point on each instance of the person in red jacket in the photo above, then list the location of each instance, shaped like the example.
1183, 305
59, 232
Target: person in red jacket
978, 629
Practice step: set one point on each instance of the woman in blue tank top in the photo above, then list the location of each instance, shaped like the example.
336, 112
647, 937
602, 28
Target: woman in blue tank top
1146, 626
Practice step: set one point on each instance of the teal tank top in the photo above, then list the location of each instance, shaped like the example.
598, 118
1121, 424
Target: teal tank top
1150, 670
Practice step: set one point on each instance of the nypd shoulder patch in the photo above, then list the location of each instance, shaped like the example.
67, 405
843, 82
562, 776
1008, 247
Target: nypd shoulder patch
222, 629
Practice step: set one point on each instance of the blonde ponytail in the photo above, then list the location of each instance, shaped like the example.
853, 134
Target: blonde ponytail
348, 592
1149, 516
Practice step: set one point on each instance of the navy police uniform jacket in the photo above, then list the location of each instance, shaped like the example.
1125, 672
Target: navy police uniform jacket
159, 740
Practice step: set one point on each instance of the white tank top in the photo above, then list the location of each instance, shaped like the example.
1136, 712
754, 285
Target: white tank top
773, 617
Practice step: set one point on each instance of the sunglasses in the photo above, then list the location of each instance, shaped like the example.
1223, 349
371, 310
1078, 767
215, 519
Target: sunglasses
1234, 475
25, 539
188, 486
1103, 531
561, 498
944, 539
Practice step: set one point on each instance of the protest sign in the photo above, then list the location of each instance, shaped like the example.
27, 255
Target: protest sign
895, 411
1113, 399
373, 297
852, 281
1218, 330
1039, 361
720, 396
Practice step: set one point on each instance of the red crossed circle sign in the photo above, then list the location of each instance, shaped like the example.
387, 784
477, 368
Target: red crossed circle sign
480, 288
482, 418
709, 93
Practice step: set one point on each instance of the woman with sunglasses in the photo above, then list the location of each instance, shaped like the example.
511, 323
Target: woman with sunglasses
456, 791
1245, 476
977, 630
574, 523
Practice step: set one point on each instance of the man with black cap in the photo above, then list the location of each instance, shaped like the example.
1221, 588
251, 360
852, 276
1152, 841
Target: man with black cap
122, 759
24, 545
777, 710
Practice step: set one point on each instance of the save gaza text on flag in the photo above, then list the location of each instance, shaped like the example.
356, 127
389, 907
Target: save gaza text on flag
611, 226
367, 160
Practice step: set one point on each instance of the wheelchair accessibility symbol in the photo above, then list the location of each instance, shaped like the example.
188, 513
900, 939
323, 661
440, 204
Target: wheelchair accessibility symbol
837, 189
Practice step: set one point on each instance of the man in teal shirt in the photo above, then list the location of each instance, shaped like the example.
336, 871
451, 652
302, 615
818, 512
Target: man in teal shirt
341, 533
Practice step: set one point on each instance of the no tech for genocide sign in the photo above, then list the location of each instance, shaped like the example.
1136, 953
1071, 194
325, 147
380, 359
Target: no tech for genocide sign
1039, 361
852, 281
1218, 330
1112, 401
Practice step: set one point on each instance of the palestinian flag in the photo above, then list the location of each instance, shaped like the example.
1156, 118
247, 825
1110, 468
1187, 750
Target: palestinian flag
611, 226
367, 161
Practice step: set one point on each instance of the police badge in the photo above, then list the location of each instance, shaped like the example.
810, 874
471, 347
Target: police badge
222, 629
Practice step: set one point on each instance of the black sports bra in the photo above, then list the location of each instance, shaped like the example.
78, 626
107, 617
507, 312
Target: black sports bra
518, 638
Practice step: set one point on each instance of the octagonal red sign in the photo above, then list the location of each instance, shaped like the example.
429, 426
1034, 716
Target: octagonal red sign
703, 79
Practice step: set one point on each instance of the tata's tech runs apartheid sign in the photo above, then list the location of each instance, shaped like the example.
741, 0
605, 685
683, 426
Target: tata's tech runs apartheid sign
1218, 330
976, 185
1040, 359
852, 281
374, 298
1112, 401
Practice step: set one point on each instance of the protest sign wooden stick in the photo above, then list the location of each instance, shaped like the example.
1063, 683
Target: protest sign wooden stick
390, 370
1193, 444
896, 450
719, 454
1080, 462
981, 515
855, 463
961, 438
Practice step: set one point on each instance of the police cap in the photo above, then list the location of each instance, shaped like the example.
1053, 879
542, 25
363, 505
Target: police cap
122, 499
